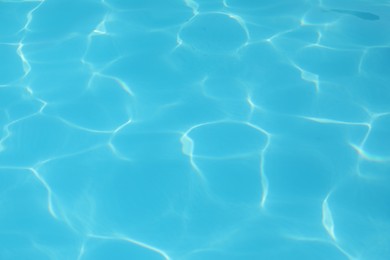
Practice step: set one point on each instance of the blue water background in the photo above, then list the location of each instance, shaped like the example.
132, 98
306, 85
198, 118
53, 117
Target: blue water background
195, 129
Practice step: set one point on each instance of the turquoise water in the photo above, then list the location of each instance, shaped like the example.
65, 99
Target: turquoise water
194, 129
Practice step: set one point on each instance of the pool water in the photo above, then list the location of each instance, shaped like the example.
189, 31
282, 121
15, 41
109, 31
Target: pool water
195, 129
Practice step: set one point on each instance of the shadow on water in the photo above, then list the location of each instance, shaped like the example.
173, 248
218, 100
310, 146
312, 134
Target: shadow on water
361, 15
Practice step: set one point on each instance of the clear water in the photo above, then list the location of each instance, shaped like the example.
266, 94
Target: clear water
195, 129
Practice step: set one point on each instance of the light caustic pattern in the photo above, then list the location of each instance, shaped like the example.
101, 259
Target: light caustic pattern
229, 129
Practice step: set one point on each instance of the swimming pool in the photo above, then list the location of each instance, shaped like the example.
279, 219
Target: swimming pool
194, 129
